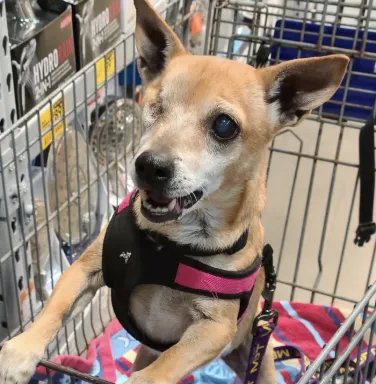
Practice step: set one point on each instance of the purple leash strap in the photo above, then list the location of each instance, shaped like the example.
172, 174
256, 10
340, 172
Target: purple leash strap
265, 322
258, 348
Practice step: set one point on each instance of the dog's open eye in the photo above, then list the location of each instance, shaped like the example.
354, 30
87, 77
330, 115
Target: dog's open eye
225, 128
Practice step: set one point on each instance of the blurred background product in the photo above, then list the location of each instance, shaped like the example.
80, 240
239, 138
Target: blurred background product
40, 64
97, 25
114, 137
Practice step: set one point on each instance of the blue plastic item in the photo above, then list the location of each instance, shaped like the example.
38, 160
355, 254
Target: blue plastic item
126, 77
293, 32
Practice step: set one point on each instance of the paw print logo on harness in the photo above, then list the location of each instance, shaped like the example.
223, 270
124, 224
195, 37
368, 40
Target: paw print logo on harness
125, 256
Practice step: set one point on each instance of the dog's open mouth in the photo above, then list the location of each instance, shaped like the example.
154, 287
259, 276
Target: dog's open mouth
162, 209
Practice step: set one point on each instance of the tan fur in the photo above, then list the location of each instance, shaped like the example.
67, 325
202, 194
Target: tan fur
181, 100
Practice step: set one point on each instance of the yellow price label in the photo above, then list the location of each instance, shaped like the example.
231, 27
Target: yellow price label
105, 65
57, 113
48, 137
46, 122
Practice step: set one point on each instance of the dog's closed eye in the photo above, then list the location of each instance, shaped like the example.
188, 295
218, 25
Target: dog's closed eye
151, 113
156, 110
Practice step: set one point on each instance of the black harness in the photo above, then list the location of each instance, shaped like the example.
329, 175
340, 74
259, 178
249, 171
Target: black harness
133, 257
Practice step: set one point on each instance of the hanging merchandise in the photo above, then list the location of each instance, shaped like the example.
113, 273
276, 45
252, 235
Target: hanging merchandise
111, 136
84, 28
73, 191
21, 10
195, 40
97, 25
55, 6
40, 64
24, 79
114, 139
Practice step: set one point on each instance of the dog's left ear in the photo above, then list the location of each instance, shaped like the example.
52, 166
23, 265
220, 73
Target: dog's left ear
156, 42
296, 87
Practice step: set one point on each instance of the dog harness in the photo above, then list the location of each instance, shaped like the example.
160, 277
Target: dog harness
133, 257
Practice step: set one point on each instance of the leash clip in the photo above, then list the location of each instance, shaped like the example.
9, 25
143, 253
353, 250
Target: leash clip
364, 233
268, 316
270, 278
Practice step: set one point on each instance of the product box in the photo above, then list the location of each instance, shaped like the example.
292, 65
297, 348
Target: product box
43, 57
97, 25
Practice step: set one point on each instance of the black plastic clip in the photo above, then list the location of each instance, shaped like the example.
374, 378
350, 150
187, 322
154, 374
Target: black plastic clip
364, 233
267, 314
270, 277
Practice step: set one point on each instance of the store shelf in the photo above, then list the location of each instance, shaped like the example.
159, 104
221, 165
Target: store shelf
7, 97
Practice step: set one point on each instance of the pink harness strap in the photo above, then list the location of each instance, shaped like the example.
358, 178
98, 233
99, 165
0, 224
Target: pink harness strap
192, 278
125, 203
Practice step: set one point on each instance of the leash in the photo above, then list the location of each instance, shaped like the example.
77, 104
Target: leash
265, 323
366, 227
350, 368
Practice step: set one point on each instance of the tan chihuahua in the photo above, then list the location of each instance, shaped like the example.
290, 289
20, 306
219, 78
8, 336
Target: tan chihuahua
200, 174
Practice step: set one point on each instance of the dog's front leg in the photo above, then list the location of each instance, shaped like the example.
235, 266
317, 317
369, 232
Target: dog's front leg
74, 290
202, 342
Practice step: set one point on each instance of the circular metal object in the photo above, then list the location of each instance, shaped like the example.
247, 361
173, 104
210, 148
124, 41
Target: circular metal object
70, 179
117, 132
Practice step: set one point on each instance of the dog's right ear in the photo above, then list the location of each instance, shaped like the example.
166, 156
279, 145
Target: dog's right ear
156, 42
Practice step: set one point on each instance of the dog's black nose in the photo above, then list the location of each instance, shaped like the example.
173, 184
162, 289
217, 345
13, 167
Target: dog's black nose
154, 170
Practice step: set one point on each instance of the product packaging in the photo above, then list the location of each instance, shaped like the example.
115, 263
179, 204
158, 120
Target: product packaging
41, 63
97, 25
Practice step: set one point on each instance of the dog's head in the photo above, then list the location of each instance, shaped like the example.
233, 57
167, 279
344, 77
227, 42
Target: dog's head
208, 120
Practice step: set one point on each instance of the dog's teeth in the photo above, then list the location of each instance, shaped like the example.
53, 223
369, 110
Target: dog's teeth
150, 207
171, 206
164, 210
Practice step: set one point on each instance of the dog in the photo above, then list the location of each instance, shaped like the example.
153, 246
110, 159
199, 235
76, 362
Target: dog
200, 175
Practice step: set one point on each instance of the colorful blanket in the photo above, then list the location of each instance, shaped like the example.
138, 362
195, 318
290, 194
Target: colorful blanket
307, 326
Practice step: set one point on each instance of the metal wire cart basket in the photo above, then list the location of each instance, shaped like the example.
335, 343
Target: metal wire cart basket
63, 169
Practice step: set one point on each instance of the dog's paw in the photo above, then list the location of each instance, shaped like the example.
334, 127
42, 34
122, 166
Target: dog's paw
18, 360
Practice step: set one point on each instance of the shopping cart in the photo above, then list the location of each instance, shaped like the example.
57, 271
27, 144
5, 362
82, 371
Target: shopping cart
64, 167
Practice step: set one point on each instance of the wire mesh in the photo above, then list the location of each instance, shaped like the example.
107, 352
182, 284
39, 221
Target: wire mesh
66, 168
313, 167
77, 146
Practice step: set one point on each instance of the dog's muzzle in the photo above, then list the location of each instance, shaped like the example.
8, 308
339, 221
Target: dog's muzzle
155, 172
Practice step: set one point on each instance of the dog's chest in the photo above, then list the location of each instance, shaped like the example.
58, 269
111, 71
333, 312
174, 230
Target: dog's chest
163, 314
